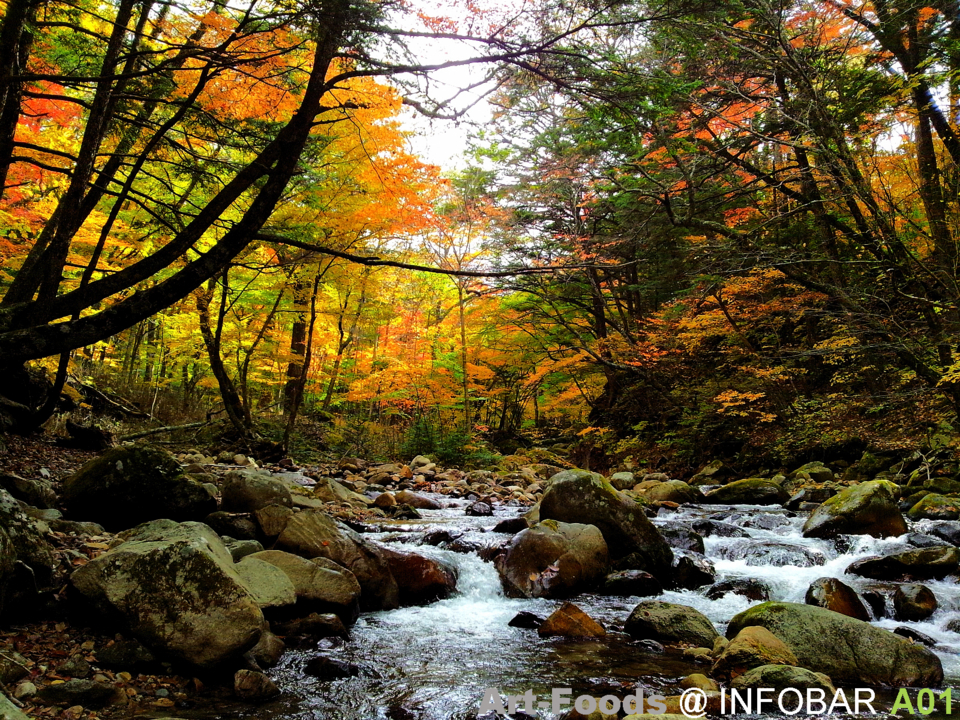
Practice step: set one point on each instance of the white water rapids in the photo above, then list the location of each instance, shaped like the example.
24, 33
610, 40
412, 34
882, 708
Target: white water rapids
433, 662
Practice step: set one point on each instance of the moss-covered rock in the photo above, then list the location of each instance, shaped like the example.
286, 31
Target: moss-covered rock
935, 507
929, 562
320, 585
174, 587
673, 491
749, 491
578, 496
269, 585
127, 486
848, 650
752, 647
670, 623
553, 559
869, 508
246, 491
781, 677
313, 533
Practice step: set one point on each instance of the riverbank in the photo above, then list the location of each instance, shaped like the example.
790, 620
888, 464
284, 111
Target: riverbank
427, 646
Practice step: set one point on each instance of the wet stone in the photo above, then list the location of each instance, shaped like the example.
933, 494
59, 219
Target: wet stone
327, 668
526, 620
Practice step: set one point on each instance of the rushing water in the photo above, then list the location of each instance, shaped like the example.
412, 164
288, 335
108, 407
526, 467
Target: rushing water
434, 662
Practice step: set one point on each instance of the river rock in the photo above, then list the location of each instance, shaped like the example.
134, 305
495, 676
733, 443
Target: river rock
749, 491
478, 509
27, 560
914, 602
272, 519
578, 496
420, 580
673, 491
691, 570
38, 493
869, 508
252, 686
268, 584
313, 627
781, 677
915, 635
327, 668
749, 588
9, 711
526, 620
718, 528
623, 480
570, 621
932, 562
320, 585
948, 531
670, 624
627, 583
313, 533
127, 486
682, 537
835, 595
846, 649
246, 492
77, 692
935, 507
815, 471
130, 655
239, 549
511, 526
175, 587
13, 667
763, 553
415, 500
239, 526
329, 490
384, 500
268, 651
553, 559
752, 647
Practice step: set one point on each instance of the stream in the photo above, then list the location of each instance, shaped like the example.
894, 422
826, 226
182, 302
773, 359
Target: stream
434, 662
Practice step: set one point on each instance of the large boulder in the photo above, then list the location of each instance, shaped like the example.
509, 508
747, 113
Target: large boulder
836, 595
929, 562
244, 491
320, 585
38, 493
578, 496
749, 491
27, 561
313, 533
420, 580
553, 559
935, 507
846, 649
869, 508
669, 623
673, 491
269, 585
173, 586
127, 486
